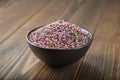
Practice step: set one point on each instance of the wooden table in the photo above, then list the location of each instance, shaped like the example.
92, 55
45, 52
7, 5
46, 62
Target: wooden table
101, 17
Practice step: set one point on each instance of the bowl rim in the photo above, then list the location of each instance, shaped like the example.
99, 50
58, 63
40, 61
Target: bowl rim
88, 43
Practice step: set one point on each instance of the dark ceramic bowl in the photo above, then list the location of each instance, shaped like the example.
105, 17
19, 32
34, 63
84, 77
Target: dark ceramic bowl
59, 57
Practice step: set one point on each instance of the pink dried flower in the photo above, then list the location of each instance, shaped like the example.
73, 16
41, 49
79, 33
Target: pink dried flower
59, 35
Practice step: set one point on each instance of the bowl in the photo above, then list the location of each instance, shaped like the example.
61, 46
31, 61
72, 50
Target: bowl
59, 57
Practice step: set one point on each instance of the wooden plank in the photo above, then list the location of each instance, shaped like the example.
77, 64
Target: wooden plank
51, 73
89, 16
16, 58
103, 59
16, 14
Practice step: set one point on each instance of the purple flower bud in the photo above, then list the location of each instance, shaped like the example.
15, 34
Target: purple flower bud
59, 35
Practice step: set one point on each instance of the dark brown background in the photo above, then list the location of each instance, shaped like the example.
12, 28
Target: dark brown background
101, 17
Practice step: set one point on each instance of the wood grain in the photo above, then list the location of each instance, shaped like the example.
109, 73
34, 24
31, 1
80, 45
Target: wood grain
103, 55
101, 17
16, 14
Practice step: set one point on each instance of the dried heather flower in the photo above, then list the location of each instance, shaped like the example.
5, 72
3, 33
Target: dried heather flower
59, 35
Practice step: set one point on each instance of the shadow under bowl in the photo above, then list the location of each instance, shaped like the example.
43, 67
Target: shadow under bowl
59, 57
